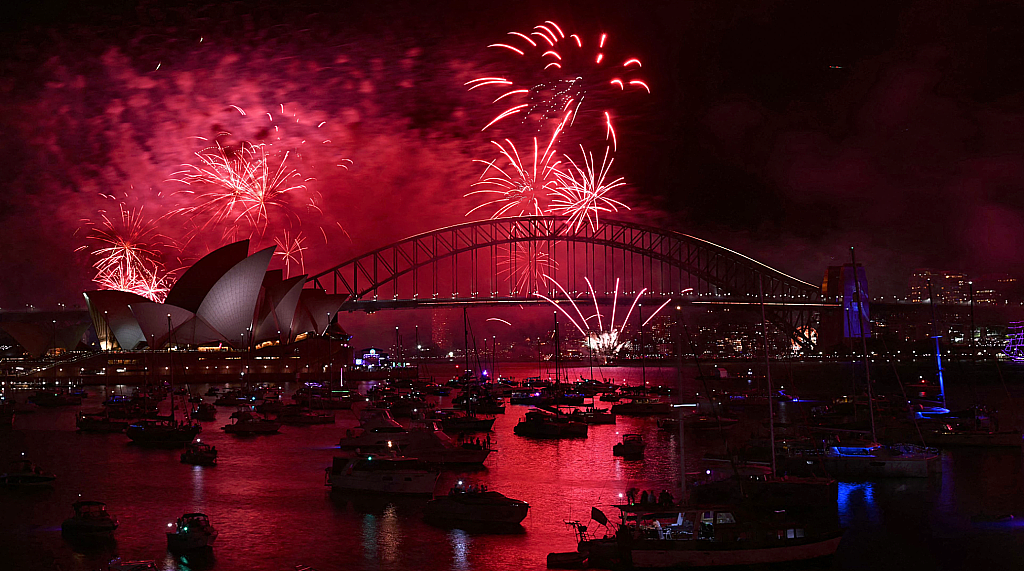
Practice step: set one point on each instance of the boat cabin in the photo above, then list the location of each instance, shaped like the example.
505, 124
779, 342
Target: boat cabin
719, 525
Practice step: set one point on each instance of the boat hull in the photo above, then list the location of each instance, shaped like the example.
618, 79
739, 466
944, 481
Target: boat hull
647, 555
895, 467
189, 541
408, 483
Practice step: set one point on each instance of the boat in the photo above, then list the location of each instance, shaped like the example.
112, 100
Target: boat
204, 411
427, 442
642, 406
199, 454
456, 423
118, 565
538, 423
948, 435
248, 423
191, 531
632, 446
383, 474
163, 432
376, 429
25, 474
653, 536
610, 397
475, 506
698, 421
871, 459
304, 417
91, 519
593, 415
100, 422
212, 391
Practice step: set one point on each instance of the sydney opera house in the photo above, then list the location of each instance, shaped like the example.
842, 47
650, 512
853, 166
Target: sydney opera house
226, 316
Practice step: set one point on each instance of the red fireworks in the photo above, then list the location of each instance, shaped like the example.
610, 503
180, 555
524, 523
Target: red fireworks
238, 184
524, 265
128, 258
290, 249
517, 188
553, 74
582, 192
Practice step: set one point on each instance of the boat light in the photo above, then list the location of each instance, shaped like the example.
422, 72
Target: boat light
389, 444
460, 482
170, 525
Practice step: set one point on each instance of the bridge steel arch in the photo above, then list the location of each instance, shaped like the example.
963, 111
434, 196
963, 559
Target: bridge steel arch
479, 262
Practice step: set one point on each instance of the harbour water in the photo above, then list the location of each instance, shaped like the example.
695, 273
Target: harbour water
267, 496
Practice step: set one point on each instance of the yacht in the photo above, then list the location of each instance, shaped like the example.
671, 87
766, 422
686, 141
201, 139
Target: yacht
100, 422
204, 411
539, 423
385, 474
91, 519
632, 446
859, 459
191, 531
304, 417
25, 474
469, 505
593, 415
163, 432
426, 442
199, 454
247, 423
642, 406
455, 423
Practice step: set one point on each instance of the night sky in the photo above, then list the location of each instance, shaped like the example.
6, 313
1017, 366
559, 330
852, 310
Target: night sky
786, 130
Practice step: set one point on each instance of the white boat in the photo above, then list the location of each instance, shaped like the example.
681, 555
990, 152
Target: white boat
382, 474
191, 531
376, 430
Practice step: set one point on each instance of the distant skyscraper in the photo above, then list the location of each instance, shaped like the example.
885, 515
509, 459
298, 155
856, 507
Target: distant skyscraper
948, 287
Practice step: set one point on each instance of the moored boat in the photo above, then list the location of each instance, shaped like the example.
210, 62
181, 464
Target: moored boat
191, 531
204, 411
91, 519
100, 422
247, 423
472, 506
163, 432
642, 406
632, 446
871, 459
383, 474
25, 474
199, 454
543, 424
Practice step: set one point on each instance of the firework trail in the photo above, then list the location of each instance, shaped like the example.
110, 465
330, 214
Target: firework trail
581, 193
605, 339
551, 73
290, 248
524, 265
517, 188
127, 254
236, 184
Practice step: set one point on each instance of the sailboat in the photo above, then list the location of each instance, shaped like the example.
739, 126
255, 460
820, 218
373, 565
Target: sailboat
757, 522
869, 458
166, 431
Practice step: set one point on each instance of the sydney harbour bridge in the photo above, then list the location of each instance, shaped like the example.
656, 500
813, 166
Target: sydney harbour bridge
511, 260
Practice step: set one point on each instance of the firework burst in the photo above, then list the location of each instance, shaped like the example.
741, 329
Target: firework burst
512, 185
524, 265
604, 341
290, 249
552, 73
127, 254
581, 193
239, 184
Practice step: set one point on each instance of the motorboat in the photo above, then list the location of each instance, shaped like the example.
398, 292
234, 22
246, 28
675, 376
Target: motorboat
304, 417
100, 422
472, 505
610, 397
199, 454
25, 474
455, 423
642, 406
383, 474
657, 536
91, 519
118, 565
212, 391
538, 423
697, 421
164, 432
632, 446
204, 411
376, 429
860, 459
593, 415
426, 442
191, 531
247, 423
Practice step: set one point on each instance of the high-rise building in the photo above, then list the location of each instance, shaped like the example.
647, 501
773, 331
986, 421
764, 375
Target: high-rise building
445, 328
948, 287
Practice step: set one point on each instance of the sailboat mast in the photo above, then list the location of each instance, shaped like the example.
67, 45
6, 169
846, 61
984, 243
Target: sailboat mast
170, 365
768, 374
557, 348
864, 344
465, 336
